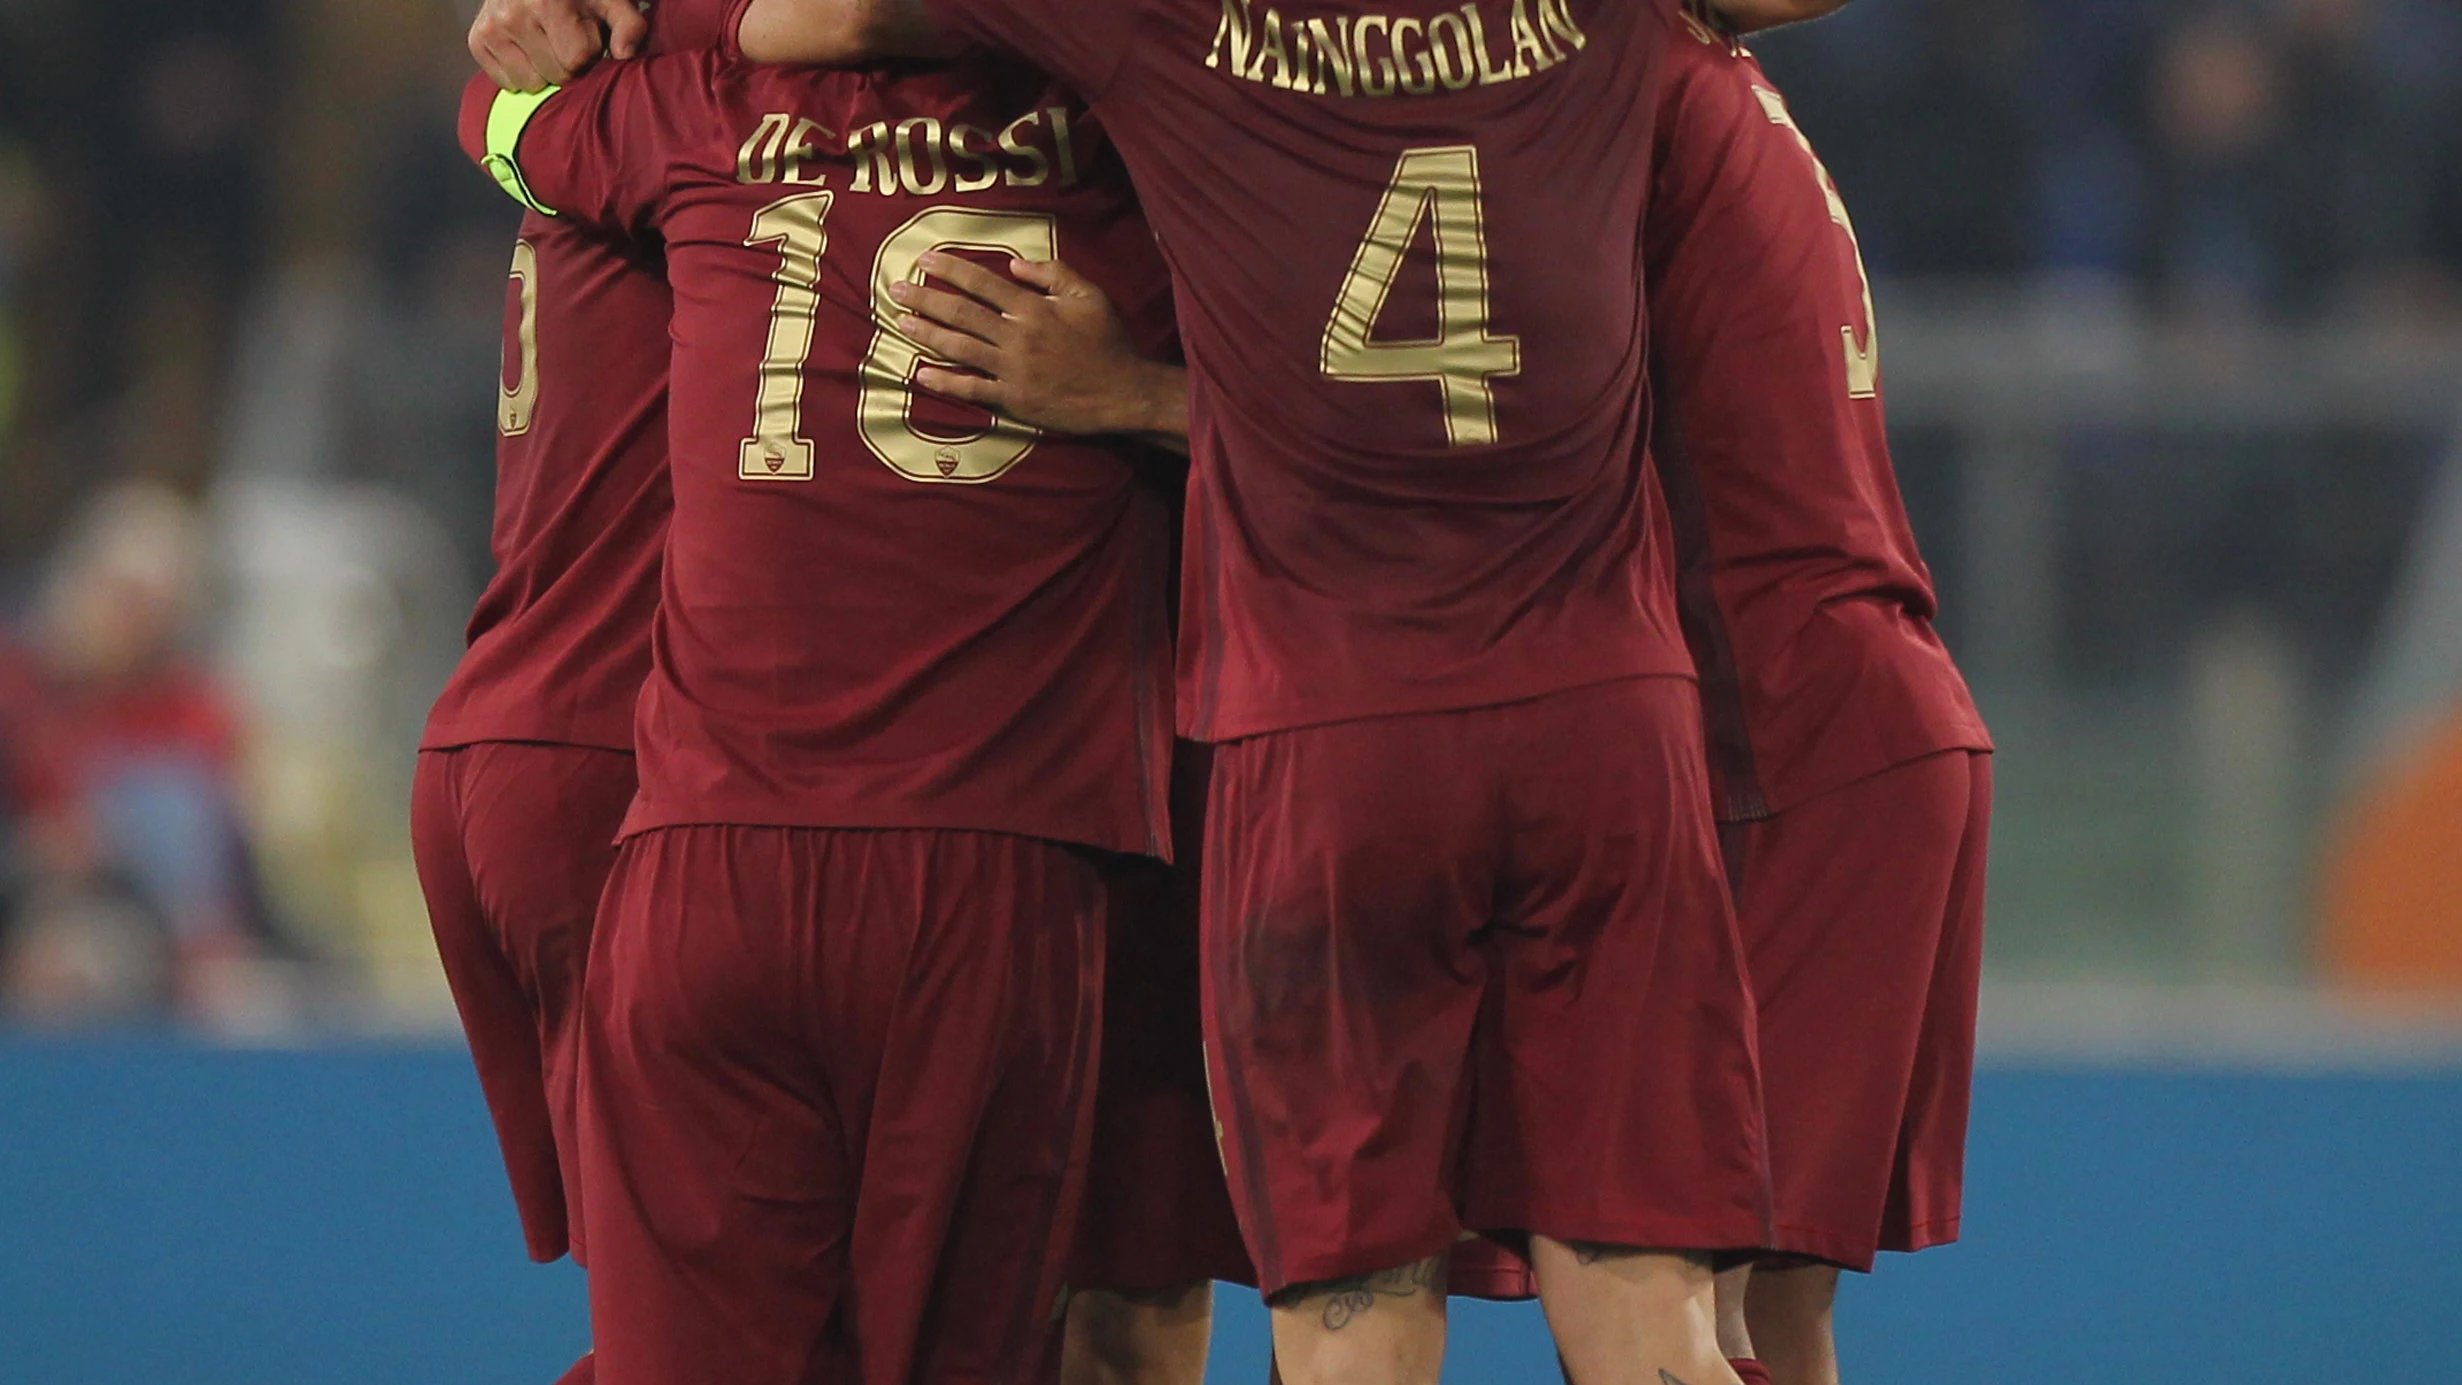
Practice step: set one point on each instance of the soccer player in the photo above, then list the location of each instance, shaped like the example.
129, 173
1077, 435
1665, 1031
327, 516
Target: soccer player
1853, 768
1460, 863
909, 704
526, 766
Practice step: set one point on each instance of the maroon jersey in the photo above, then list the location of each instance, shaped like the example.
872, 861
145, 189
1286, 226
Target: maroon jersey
1403, 235
879, 610
1809, 609
560, 640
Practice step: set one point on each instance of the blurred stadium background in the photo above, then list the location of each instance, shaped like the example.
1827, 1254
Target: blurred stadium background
2171, 304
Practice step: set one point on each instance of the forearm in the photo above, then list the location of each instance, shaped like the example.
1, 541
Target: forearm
1753, 16
1159, 412
836, 32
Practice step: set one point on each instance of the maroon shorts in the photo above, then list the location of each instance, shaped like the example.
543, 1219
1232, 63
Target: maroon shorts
1862, 913
1478, 969
514, 842
836, 1093
1157, 1212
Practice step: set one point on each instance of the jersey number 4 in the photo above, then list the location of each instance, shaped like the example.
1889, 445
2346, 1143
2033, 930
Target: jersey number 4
797, 225
1464, 357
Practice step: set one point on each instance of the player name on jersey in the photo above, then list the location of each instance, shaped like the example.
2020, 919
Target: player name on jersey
920, 155
1394, 55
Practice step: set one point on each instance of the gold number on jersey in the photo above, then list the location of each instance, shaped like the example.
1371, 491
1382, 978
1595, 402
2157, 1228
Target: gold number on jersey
887, 415
517, 403
1463, 358
1863, 353
777, 451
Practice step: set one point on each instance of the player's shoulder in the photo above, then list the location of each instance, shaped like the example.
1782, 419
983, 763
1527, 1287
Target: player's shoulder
1703, 55
1712, 90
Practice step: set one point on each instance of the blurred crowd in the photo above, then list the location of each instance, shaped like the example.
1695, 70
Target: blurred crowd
2246, 158
250, 296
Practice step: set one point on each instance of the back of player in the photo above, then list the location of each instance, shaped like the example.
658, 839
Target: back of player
910, 688
1459, 798
526, 766
1416, 395
1852, 767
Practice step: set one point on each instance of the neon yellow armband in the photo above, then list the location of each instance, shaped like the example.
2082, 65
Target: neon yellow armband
505, 122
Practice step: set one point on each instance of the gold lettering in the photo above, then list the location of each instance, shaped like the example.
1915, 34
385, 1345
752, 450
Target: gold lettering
1454, 65
1402, 61
1231, 33
518, 405
1863, 353
989, 170
1557, 15
1304, 60
1489, 73
1333, 51
884, 413
1040, 167
1530, 50
755, 164
869, 147
797, 225
1065, 146
1377, 80
799, 147
1466, 357
908, 170
1272, 50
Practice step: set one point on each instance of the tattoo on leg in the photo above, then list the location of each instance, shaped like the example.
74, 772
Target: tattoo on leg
1668, 1377
1346, 1299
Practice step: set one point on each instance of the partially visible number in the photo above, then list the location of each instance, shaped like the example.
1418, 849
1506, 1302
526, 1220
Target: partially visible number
777, 449
886, 414
1863, 353
1464, 357
518, 403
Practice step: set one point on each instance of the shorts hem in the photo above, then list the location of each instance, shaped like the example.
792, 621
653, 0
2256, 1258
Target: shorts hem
1858, 1253
1639, 1231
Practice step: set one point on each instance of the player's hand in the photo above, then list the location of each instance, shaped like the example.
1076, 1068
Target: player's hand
1050, 351
530, 45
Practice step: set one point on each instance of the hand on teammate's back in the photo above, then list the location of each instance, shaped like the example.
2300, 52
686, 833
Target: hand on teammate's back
529, 45
1050, 351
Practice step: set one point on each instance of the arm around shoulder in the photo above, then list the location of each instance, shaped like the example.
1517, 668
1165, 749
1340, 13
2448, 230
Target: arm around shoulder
1752, 16
836, 32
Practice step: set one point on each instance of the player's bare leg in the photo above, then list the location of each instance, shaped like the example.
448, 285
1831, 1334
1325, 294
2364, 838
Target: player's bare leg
1158, 1337
1386, 1328
1734, 1327
1630, 1317
1790, 1313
